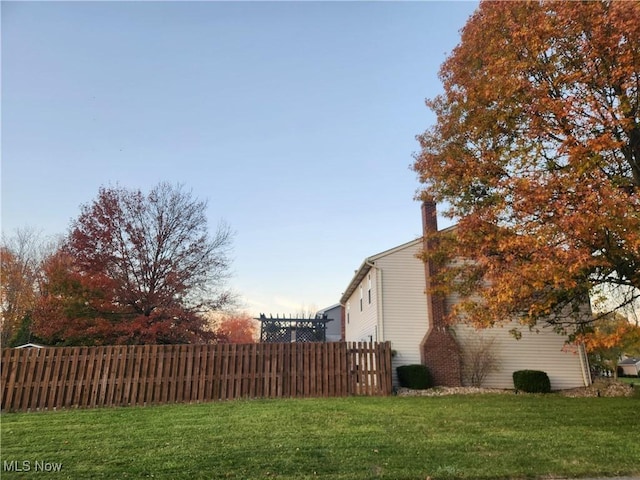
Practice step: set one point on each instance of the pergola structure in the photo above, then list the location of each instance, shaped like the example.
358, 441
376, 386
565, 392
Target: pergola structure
293, 330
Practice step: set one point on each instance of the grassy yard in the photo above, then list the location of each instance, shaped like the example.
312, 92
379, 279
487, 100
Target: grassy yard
631, 380
474, 436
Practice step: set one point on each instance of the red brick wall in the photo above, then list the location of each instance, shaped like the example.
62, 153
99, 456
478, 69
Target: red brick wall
440, 351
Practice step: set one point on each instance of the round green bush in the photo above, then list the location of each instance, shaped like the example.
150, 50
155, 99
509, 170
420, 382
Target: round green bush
531, 381
416, 377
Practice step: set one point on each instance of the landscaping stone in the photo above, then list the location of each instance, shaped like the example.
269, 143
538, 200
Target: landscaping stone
600, 388
439, 391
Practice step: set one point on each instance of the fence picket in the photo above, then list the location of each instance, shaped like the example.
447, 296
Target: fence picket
251, 348
8, 369
43, 377
142, 384
64, 378
260, 370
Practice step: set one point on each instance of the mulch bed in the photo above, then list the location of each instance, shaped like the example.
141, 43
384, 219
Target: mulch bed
601, 388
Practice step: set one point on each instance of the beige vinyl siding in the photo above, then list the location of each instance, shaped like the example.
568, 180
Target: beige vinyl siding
398, 313
566, 365
403, 302
547, 351
363, 325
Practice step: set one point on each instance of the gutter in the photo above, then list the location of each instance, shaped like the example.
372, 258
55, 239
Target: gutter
355, 281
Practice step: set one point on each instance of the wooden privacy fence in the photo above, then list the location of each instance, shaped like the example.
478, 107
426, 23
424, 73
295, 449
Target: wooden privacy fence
59, 377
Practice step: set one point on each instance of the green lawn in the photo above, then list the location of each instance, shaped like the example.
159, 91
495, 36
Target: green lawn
474, 436
631, 380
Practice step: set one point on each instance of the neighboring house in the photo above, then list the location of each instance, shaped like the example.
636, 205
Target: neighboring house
386, 301
335, 330
630, 366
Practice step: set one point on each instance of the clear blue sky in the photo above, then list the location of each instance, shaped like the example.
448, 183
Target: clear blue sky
295, 120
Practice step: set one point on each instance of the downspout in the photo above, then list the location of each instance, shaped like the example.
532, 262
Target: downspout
380, 311
584, 365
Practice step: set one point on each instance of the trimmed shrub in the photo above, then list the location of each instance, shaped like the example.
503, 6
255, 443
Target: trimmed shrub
531, 381
416, 377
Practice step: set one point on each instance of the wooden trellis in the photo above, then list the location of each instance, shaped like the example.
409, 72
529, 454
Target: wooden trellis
293, 330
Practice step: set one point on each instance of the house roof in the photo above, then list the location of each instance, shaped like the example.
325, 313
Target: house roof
366, 266
629, 361
326, 309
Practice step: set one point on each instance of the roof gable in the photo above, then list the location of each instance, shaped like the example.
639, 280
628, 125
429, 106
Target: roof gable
367, 264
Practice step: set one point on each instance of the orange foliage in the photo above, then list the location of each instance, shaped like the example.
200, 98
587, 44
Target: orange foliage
17, 293
608, 339
240, 328
135, 269
619, 334
81, 308
536, 150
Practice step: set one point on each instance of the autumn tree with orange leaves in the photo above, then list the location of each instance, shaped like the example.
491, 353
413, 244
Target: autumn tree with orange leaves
17, 293
237, 328
135, 269
536, 152
21, 258
608, 339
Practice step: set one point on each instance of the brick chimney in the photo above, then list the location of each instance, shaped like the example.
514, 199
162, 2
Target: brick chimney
439, 350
